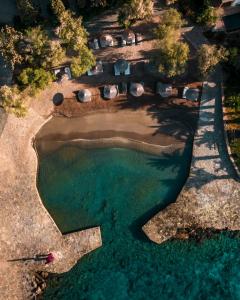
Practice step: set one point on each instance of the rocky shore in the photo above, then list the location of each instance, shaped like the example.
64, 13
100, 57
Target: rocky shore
27, 229
211, 195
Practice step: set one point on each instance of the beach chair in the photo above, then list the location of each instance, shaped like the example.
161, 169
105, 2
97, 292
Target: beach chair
127, 72
68, 72
123, 42
89, 73
116, 71
95, 44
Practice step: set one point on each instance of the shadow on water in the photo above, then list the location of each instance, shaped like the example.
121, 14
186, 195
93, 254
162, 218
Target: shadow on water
162, 162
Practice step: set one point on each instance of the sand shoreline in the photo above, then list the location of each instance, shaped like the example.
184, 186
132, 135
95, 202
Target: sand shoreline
26, 226
45, 147
136, 130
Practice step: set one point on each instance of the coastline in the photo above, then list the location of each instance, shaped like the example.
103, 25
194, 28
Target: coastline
26, 227
210, 197
136, 130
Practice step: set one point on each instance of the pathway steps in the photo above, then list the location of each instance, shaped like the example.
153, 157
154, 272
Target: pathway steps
211, 195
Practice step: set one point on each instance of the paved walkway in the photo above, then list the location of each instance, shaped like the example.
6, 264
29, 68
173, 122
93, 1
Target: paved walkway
211, 195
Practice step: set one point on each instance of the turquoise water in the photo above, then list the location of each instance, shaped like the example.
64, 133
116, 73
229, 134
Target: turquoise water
120, 190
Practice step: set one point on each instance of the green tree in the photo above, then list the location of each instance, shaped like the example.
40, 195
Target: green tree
83, 62
209, 56
72, 32
172, 59
166, 34
58, 8
42, 51
35, 79
172, 18
28, 12
172, 54
208, 17
135, 10
12, 101
9, 42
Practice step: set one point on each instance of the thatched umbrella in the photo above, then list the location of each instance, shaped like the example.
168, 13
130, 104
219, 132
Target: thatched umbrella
191, 94
129, 36
84, 95
110, 91
106, 40
136, 89
58, 99
164, 89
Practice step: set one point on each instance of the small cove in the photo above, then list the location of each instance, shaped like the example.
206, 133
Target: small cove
120, 189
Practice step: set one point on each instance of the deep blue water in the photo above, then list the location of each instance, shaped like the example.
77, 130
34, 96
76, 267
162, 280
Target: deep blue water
120, 189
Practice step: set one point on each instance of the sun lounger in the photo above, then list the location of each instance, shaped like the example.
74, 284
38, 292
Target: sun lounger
116, 71
127, 72
68, 72
95, 44
123, 42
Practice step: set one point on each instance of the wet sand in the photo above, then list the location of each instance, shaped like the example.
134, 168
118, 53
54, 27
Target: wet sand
141, 129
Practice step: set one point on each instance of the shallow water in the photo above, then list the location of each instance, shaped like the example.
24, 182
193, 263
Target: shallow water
120, 189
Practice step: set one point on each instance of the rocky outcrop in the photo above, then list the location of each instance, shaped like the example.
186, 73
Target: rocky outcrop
26, 228
211, 195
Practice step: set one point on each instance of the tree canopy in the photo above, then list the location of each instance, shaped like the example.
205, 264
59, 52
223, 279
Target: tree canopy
35, 79
28, 12
9, 42
209, 56
208, 16
12, 101
72, 32
172, 18
134, 10
83, 62
172, 54
42, 52
58, 8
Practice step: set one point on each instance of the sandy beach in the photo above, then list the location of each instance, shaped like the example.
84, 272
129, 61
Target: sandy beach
115, 129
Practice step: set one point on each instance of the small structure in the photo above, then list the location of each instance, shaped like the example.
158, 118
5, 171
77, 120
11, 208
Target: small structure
110, 91
62, 72
106, 40
84, 96
121, 66
98, 68
139, 38
164, 89
128, 37
136, 89
190, 94
58, 99
232, 22
94, 44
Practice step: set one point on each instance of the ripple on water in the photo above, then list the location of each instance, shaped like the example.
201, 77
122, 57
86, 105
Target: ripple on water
120, 189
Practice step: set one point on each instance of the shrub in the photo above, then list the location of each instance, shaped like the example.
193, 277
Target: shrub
12, 101
36, 79
83, 62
